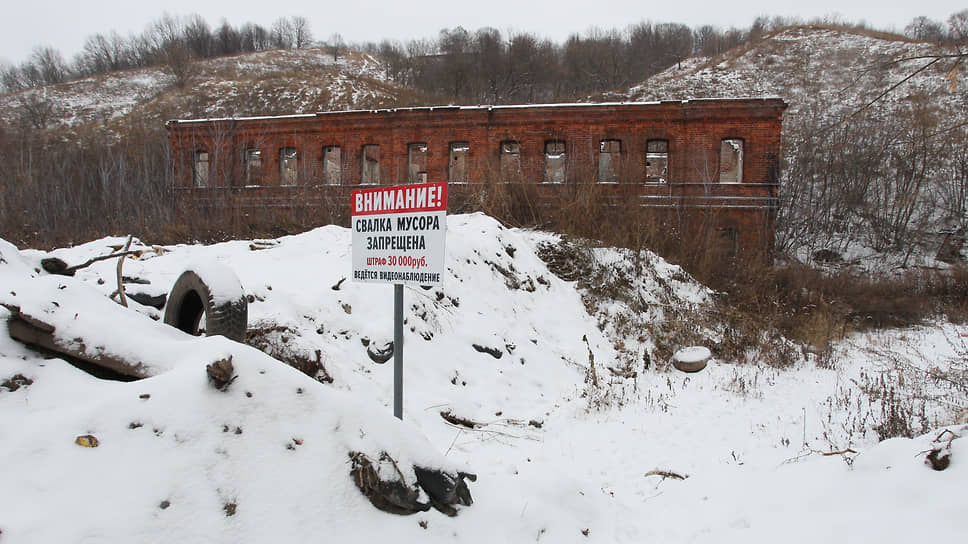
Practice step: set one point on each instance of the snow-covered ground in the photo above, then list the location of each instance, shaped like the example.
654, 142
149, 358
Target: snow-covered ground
565, 449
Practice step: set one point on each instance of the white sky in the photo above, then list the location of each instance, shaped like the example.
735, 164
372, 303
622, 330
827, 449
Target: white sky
64, 24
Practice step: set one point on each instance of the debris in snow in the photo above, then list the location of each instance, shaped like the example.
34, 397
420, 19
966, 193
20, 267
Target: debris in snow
667, 474
221, 374
449, 417
15, 382
256, 245
493, 352
389, 494
87, 441
691, 359
444, 489
386, 486
53, 265
939, 456
380, 355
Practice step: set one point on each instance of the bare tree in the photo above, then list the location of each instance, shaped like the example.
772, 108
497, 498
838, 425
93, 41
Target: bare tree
50, 64
198, 37
283, 33
924, 29
336, 46
228, 41
177, 60
302, 31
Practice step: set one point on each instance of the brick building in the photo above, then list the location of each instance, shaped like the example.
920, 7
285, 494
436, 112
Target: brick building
715, 159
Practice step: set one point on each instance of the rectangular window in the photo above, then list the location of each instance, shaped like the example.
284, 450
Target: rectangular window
200, 169
371, 165
657, 161
332, 165
253, 166
417, 163
731, 161
555, 157
288, 166
609, 159
458, 162
510, 161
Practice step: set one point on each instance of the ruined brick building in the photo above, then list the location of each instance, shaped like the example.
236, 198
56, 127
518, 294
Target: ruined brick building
714, 158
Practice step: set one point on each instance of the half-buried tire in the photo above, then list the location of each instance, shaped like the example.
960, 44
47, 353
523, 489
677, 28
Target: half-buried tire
212, 292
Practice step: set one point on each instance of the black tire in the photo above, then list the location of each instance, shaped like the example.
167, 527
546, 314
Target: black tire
226, 313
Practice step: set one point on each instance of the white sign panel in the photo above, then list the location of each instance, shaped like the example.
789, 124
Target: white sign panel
398, 234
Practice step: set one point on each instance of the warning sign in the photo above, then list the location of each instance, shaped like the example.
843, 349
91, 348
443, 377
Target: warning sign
398, 233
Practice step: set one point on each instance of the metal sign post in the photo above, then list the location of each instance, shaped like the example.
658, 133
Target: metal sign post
398, 350
398, 238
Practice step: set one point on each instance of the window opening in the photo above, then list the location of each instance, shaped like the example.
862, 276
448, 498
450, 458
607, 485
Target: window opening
555, 157
332, 165
609, 158
657, 161
458, 161
253, 166
417, 163
201, 169
371, 164
731, 161
287, 166
510, 161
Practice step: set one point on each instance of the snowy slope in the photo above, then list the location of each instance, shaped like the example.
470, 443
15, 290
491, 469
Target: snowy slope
559, 458
852, 94
261, 83
816, 70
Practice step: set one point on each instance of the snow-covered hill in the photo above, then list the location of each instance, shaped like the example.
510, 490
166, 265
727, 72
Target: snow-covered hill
874, 142
261, 83
836, 69
574, 435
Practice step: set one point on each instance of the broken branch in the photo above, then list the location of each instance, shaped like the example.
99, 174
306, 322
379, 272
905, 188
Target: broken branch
667, 474
121, 298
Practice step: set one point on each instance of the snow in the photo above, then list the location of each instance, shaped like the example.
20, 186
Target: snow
222, 282
304, 80
692, 354
558, 457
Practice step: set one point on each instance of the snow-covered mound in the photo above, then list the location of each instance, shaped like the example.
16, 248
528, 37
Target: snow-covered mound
508, 374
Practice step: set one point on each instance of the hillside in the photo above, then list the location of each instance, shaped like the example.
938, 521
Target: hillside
875, 147
272, 82
837, 69
875, 140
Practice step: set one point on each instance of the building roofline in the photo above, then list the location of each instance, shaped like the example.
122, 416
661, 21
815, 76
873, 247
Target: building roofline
482, 107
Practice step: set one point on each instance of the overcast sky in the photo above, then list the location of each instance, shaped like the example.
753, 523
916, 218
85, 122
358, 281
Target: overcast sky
64, 24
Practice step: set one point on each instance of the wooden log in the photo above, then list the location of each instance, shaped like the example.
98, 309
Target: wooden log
38, 334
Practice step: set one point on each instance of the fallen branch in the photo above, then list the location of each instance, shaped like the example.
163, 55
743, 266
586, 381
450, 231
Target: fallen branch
53, 265
120, 292
457, 420
841, 452
667, 474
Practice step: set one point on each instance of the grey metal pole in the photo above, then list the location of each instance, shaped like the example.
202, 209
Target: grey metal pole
398, 350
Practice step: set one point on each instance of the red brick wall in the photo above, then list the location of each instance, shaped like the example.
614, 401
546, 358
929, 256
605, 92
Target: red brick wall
694, 130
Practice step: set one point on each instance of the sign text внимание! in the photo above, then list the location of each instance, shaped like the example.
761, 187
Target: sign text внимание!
398, 233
